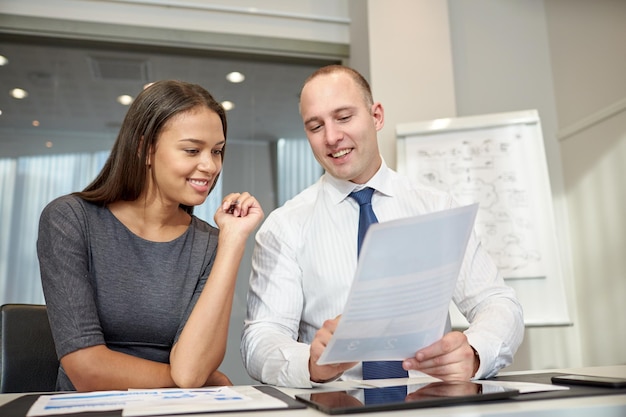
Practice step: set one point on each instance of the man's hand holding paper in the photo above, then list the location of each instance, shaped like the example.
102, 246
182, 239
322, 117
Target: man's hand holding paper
325, 373
451, 358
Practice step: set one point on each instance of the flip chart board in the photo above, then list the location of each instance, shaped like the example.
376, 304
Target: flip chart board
497, 160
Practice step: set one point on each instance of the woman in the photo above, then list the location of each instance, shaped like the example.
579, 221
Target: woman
139, 291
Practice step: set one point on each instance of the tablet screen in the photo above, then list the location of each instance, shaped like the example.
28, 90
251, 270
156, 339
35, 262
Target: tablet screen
404, 397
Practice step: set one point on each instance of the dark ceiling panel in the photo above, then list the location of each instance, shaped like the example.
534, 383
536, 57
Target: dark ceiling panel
73, 88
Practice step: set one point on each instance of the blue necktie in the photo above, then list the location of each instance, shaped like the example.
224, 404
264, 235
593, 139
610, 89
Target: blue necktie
366, 214
374, 369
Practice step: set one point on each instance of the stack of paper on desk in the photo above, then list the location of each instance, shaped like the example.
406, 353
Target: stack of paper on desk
405, 278
151, 402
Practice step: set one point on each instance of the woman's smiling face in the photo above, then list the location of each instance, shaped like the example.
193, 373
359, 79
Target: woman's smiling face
187, 158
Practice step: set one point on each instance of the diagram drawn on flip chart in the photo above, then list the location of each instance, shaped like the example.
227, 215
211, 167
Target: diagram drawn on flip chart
498, 161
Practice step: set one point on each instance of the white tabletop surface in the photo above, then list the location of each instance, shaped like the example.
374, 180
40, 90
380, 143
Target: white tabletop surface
595, 406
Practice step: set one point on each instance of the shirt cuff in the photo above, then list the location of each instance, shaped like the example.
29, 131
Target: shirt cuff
297, 374
486, 355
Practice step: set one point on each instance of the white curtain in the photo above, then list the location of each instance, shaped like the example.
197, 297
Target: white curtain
297, 168
27, 184
8, 169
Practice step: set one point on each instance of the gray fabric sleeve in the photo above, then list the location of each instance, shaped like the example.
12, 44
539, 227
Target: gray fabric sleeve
63, 251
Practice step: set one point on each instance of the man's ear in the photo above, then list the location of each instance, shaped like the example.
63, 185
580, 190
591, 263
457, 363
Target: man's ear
378, 113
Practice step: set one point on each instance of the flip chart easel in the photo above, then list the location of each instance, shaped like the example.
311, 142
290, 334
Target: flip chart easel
497, 160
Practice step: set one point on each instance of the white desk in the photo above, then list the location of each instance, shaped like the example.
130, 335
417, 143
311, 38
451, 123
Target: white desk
596, 406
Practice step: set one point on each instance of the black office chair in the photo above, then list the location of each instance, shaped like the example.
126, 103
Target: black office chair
28, 360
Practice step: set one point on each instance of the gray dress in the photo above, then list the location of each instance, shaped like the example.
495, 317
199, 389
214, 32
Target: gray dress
105, 285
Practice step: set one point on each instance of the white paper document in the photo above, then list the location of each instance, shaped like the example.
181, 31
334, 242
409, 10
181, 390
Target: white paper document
156, 401
405, 278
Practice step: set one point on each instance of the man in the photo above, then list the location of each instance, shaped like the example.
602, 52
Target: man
306, 255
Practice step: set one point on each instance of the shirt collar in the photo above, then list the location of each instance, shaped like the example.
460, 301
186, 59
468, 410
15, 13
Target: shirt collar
340, 189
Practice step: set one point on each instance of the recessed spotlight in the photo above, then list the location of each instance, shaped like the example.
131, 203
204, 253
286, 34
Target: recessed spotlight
48, 144
228, 105
235, 77
35, 123
18, 93
125, 99
3, 60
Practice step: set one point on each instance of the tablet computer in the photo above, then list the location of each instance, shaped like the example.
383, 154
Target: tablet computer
594, 381
404, 397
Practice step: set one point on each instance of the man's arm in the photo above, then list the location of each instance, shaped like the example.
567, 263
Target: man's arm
496, 325
495, 315
269, 347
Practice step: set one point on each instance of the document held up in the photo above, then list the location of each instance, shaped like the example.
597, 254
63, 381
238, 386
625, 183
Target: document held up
404, 282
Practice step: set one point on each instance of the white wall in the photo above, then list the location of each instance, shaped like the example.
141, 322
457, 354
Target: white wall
502, 63
589, 67
406, 53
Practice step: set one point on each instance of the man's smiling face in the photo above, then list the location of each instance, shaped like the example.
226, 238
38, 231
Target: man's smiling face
341, 127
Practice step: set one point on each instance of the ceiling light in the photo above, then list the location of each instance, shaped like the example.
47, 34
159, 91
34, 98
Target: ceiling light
48, 144
18, 93
125, 99
3, 60
36, 123
228, 105
235, 77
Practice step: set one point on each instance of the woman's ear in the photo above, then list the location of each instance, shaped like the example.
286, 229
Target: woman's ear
148, 153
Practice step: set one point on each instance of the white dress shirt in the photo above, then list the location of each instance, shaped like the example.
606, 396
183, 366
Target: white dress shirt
304, 262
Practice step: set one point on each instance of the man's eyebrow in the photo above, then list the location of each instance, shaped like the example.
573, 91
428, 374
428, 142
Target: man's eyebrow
311, 119
344, 108
334, 112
